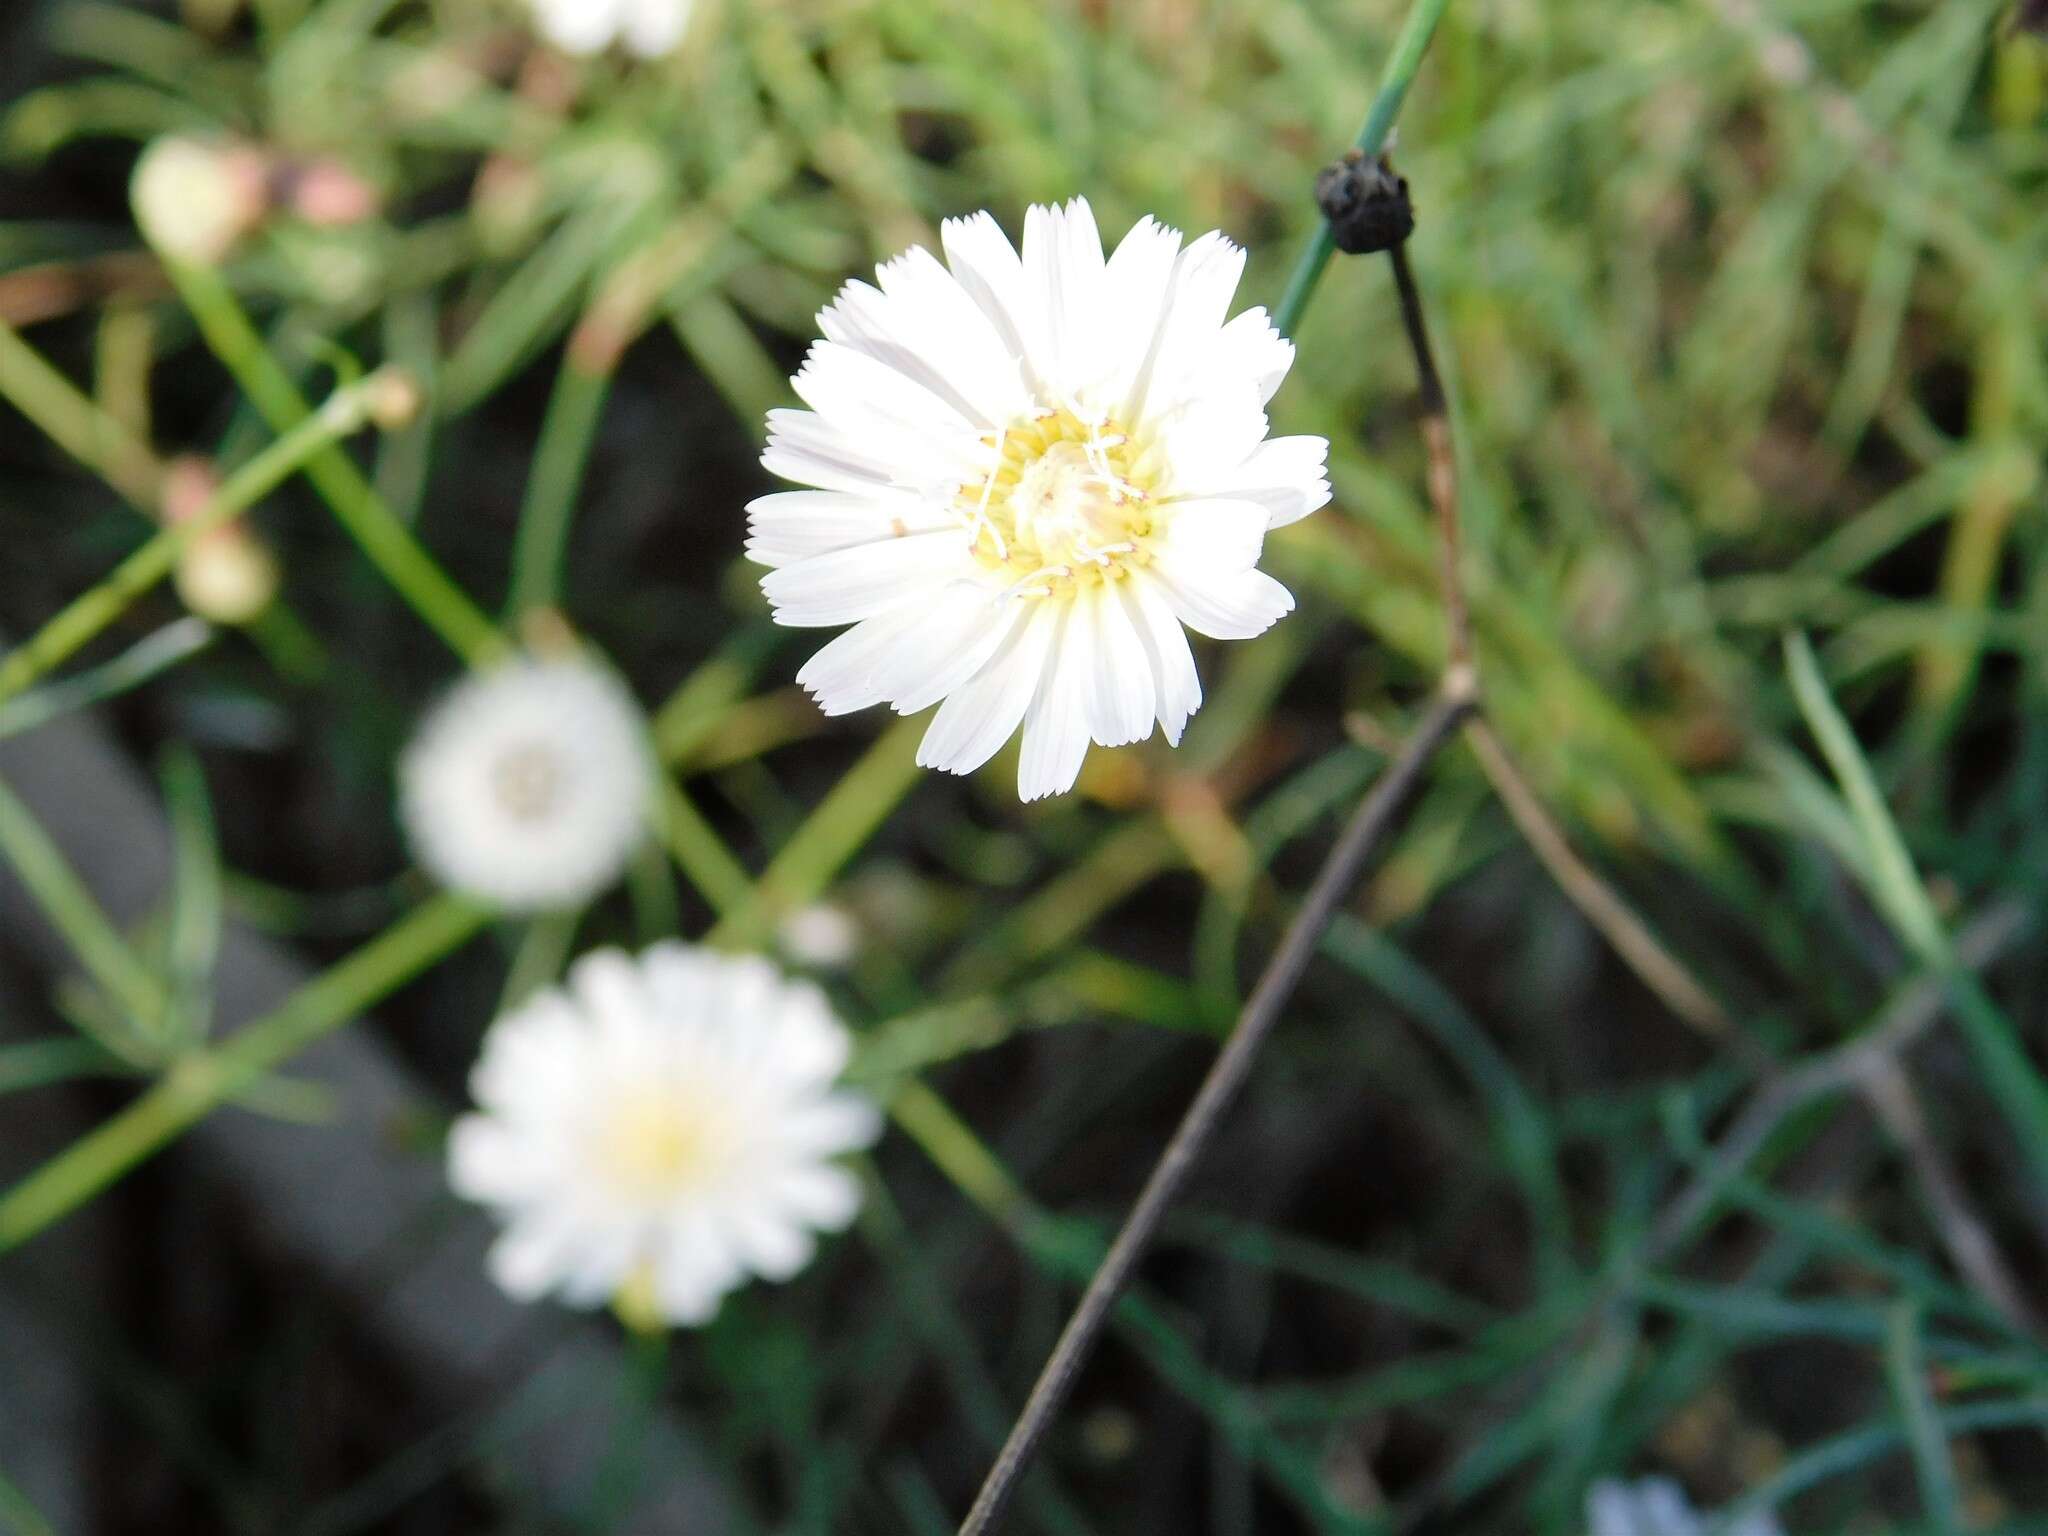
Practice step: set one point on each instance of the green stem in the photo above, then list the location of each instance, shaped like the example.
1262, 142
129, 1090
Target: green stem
384, 539
71, 909
700, 853
1898, 891
1395, 79
843, 821
1906, 1369
203, 1081
92, 611
557, 476
72, 421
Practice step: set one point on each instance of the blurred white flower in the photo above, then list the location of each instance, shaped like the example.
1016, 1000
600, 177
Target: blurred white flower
659, 1130
821, 935
195, 199
1030, 472
1656, 1506
528, 785
648, 28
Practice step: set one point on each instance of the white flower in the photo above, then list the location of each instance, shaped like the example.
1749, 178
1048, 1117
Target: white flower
1030, 472
659, 1130
648, 28
195, 199
528, 785
822, 935
1656, 1506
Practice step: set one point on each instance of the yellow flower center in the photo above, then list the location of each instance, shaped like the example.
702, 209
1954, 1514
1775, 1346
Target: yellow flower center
1069, 503
656, 1145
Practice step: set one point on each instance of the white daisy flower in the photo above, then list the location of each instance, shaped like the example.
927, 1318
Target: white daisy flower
659, 1130
528, 785
1030, 472
1657, 1506
648, 28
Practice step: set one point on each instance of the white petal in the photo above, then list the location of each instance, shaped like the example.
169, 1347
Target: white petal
1204, 278
1213, 535
849, 585
1056, 726
965, 625
1233, 607
821, 1194
769, 1244
608, 985
533, 1253
787, 526
1063, 266
983, 713
839, 1122
491, 1162
1250, 347
922, 323
926, 440
988, 269
1206, 436
1123, 689
803, 446
841, 676
1173, 663
600, 1266
1137, 285
693, 1270
1285, 475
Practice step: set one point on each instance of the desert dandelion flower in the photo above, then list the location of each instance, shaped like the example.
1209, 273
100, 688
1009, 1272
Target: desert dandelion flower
528, 786
647, 28
1030, 473
659, 1130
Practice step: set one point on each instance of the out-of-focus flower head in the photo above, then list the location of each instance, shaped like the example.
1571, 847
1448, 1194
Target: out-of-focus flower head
228, 574
1657, 1506
823, 936
1031, 472
659, 1130
196, 199
529, 784
646, 28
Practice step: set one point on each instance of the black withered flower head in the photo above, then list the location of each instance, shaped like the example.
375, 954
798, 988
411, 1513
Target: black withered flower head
1366, 203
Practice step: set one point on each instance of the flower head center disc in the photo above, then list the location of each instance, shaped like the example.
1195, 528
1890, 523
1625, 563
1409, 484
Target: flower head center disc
527, 779
1067, 504
657, 1145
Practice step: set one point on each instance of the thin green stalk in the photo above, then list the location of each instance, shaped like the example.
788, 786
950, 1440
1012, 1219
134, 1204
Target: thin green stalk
384, 538
1895, 886
35, 1063
346, 411
1906, 1369
203, 1081
844, 820
700, 853
70, 419
551, 489
71, 909
1395, 79
149, 657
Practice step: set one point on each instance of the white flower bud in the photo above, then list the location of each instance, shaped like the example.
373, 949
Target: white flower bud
195, 199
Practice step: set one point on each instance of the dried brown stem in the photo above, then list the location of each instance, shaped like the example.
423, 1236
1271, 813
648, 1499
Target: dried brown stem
1442, 461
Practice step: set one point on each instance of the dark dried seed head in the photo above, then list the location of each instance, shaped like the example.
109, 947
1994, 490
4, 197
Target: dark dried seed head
1366, 203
